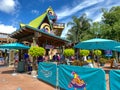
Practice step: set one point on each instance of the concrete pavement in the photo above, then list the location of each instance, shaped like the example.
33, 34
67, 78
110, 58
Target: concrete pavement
21, 81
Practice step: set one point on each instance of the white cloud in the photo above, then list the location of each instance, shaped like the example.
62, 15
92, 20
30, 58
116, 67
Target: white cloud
65, 31
8, 6
35, 11
96, 13
7, 29
67, 11
92, 8
98, 18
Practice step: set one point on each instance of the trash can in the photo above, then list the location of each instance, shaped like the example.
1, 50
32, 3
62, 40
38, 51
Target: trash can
21, 66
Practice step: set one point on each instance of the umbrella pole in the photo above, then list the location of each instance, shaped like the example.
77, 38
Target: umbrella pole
98, 61
19, 55
77, 54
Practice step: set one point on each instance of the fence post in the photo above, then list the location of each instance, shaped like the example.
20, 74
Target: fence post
57, 79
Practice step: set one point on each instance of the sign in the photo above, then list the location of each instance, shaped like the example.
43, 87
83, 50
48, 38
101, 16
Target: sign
47, 72
108, 53
49, 46
79, 78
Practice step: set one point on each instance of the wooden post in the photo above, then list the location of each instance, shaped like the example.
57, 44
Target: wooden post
19, 55
36, 36
11, 57
34, 41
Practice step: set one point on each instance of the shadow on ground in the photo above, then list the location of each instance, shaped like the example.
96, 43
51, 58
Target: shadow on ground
7, 72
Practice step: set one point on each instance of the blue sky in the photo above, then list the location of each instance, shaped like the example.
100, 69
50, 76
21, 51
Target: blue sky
12, 12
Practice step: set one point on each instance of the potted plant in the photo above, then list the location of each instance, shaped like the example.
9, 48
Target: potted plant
97, 53
68, 53
84, 53
35, 51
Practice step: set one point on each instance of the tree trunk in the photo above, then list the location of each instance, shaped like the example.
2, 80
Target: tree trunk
34, 63
34, 72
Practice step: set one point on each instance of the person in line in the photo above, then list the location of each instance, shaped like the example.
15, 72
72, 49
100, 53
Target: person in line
40, 59
115, 64
58, 58
16, 58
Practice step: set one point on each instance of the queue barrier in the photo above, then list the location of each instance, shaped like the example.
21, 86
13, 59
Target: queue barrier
47, 72
81, 78
114, 79
72, 77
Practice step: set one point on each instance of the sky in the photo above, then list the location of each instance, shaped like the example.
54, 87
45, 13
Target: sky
13, 12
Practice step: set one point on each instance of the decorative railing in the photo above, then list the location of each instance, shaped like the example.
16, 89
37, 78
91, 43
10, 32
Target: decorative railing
59, 25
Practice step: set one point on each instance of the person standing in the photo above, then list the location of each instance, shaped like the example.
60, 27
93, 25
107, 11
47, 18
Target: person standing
58, 58
16, 57
115, 64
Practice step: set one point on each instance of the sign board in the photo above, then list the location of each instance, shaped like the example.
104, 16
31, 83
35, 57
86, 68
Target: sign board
49, 46
108, 53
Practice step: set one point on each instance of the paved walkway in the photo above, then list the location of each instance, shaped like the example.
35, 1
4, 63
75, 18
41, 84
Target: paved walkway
9, 81
107, 69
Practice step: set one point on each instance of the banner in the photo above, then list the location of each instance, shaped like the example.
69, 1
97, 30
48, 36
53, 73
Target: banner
108, 53
47, 72
49, 47
79, 78
114, 77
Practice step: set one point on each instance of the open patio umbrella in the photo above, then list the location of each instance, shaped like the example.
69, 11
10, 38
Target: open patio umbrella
19, 46
117, 48
97, 43
15, 45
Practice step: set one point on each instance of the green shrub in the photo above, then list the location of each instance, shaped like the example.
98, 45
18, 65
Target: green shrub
84, 52
36, 51
97, 52
69, 52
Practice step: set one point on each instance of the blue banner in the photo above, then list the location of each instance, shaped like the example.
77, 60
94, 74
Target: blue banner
47, 72
108, 53
79, 78
114, 77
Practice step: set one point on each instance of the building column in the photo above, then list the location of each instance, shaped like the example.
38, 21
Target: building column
11, 57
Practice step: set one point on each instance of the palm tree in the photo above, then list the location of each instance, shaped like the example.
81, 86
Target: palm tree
79, 26
95, 30
72, 35
74, 31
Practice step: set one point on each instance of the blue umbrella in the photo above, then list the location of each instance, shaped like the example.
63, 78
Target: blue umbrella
14, 46
97, 43
117, 48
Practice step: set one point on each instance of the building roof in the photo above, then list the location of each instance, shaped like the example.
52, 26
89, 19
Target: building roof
37, 21
27, 32
52, 35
